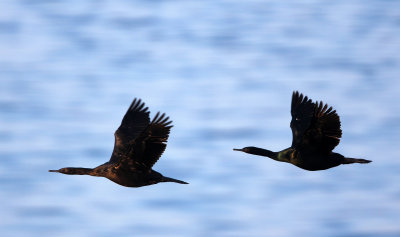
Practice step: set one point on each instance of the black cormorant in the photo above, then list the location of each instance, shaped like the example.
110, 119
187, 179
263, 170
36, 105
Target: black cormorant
316, 131
138, 145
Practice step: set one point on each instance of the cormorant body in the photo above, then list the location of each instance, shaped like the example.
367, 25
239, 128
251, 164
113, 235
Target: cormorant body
138, 145
316, 132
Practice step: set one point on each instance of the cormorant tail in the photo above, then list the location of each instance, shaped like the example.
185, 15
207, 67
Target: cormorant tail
355, 160
166, 179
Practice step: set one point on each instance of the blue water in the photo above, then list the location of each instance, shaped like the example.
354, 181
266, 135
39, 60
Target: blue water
224, 72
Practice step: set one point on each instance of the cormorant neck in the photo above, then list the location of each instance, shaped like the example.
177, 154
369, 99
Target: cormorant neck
81, 171
74, 171
262, 152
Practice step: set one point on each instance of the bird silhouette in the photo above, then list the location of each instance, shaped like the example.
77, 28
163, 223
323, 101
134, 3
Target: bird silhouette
316, 131
138, 145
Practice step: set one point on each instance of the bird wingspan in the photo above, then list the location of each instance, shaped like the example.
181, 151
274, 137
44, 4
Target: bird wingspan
149, 145
134, 122
315, 126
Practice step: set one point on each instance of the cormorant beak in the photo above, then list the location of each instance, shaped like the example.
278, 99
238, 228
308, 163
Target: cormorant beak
54, 171
235, 149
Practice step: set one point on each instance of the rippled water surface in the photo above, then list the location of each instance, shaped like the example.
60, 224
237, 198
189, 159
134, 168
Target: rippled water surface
224, 72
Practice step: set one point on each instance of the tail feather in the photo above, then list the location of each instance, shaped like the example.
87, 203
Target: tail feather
355, 160
167, 179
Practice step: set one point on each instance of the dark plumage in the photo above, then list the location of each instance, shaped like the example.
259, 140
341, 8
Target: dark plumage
316, 131
139, 143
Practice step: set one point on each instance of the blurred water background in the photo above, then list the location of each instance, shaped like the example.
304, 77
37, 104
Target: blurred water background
224, 72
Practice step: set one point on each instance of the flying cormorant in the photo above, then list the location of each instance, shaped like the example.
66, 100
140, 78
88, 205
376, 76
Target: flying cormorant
316, 131
138, 145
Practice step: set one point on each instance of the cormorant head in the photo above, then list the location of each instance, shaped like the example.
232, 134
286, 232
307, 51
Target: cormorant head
246, 149
62, 170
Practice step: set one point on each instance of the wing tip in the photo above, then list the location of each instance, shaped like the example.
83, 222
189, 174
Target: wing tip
162, 119
299, 97
138, 105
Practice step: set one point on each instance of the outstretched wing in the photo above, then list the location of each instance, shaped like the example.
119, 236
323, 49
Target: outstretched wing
149, 145
302, 111
133, 124
315, 127
325, 131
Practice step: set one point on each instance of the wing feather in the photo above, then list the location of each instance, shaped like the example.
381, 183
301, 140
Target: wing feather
302, 110
149, 145
134, 122
315, 126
